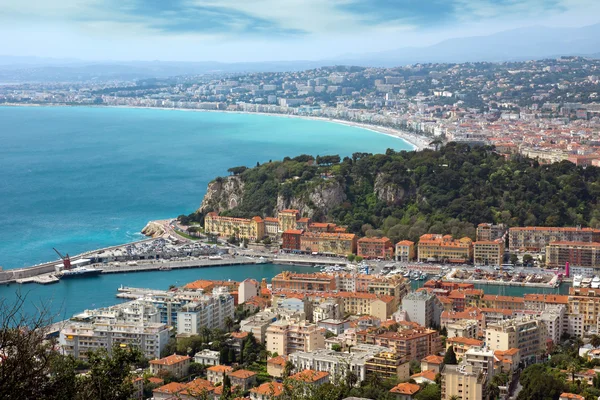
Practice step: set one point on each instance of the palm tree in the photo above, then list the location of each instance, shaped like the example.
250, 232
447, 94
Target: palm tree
454, 397
288, 369
437, 143
595, 341
573, 368
228, 323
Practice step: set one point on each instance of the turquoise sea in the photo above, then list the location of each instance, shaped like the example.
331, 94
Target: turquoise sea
80, 178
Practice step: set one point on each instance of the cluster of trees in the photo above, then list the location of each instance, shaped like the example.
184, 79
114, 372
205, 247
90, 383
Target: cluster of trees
404, 195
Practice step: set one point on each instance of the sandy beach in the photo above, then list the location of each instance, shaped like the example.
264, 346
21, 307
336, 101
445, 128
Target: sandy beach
416, 141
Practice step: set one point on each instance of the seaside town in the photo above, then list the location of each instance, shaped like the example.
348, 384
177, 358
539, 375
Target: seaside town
357, 329
369, 317
547, 110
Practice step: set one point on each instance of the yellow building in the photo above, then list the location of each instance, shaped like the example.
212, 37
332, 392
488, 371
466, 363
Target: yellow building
287, 219
242, 228
405, 251
465, 381
338, 244
388, 365
434, 247
488, 252
526, 334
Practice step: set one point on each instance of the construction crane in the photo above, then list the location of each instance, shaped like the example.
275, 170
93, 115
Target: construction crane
66, 259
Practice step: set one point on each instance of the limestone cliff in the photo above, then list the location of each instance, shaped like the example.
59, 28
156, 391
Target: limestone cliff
323, 197
223, 194
387, 191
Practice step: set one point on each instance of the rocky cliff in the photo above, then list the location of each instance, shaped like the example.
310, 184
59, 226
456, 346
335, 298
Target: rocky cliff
388, 192
323, 197
153, 229
223, 194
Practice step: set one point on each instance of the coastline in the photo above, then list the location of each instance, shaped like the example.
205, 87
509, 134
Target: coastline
416, 141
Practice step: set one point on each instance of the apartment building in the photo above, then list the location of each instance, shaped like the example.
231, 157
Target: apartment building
257, 324
207, 311
318, 282
131, 324
483, 358
420, 308
241, 228
326, 243
248, 289
462, 344
290, 240
467, 328
405, 251
465, 381
267, 391
503, 302
286, 337
276, 366
434, 247
577, 254
528, 334
412, 343
271, 227
375, 248
336, 363
536, 238
174, 365
287, 219
488, 252
583, 310
490, 232
389, 365
539, 302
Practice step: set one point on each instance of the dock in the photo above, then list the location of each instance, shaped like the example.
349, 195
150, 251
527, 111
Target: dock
158, 265
45, 279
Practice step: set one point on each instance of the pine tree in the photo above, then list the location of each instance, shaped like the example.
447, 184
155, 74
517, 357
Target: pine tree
450, 357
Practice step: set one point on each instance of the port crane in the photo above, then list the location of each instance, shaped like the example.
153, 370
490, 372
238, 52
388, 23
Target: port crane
66, 259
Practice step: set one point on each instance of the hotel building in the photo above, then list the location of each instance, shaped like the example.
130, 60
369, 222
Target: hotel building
335, 244
434, 247
241, 228
375, 248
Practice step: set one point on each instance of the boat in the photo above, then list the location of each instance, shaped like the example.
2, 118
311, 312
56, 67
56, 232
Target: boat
423, 276
215, 258
406, 274
577, 280
595, 282
78, 272
586, 282
262, 260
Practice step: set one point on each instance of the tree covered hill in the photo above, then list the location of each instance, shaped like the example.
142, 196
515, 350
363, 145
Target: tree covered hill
406, 194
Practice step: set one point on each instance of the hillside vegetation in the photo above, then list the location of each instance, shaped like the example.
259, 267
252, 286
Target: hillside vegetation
405, 194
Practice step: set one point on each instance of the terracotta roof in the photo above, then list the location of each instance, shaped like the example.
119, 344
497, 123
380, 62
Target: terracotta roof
279, 360
429, 374
274, 389
433, 359
198, 386
239, 335
170, 360
571, 396
405, 243
308, 375
171, 388
293, 232
156, 380
242, 374
220, 369
406, 388
382, 240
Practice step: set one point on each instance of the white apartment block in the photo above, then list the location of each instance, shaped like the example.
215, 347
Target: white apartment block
419, 308
207, 357
337, 363
131, 324
248, 288
286, 337
209, 311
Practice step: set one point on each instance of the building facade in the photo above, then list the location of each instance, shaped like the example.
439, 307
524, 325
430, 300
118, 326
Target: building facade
490, 232
536, 238
528, 334
433, 247
375, 248
405, 251
577, 254
242, 228
488, 252
283, 337
326, 243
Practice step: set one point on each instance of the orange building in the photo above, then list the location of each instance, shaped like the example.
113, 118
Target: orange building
375, 248
303, 282
338, 244
434, 247
291, 240
405, 251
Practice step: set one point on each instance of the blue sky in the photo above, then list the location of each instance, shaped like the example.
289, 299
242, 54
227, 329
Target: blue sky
259, 30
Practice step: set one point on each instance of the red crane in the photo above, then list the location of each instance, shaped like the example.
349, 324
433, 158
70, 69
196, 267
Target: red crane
66, 259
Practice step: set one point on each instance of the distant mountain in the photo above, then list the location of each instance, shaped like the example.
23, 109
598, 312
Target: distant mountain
513, 45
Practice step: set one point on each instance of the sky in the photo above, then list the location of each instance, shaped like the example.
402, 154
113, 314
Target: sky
262, 30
